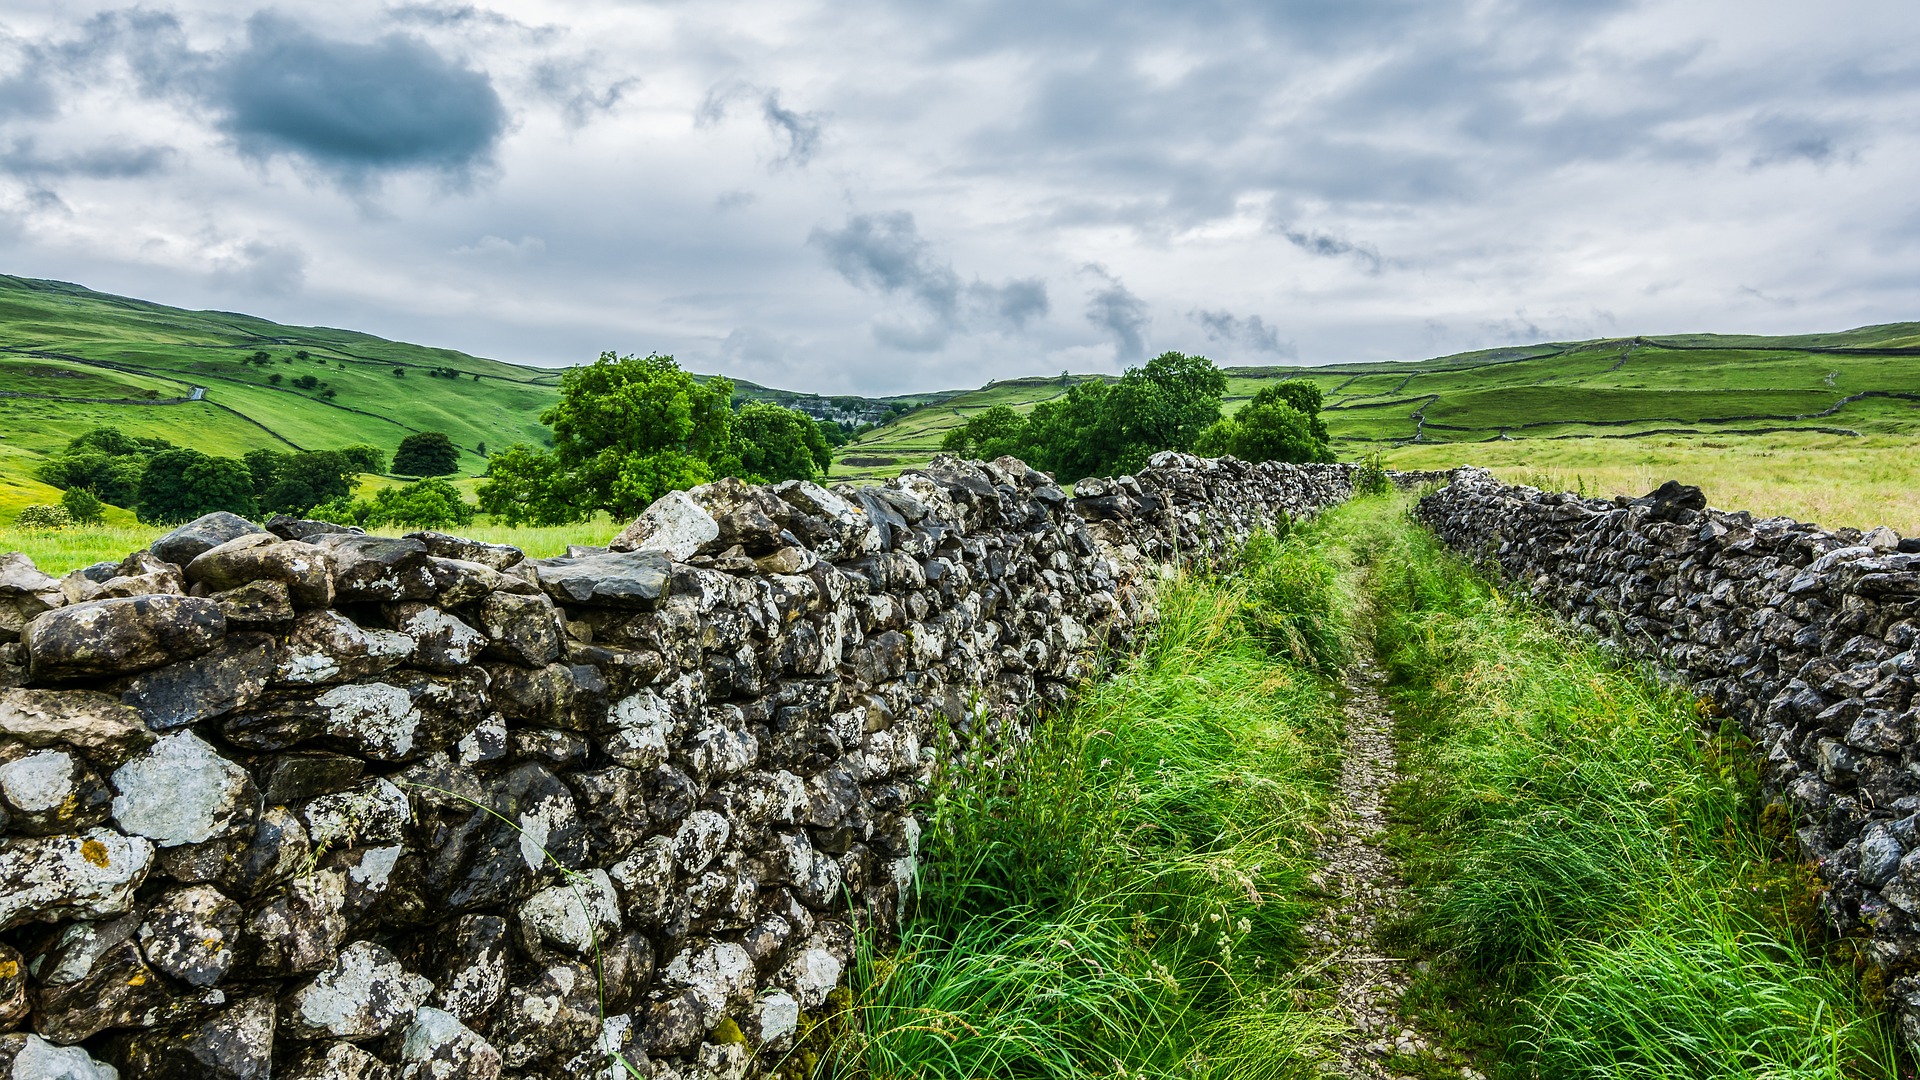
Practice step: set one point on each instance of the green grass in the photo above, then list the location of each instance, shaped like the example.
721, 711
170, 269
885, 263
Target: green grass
1123, 895
1598, 888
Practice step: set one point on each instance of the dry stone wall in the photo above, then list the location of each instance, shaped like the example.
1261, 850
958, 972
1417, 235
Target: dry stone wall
1807, 636
311, 803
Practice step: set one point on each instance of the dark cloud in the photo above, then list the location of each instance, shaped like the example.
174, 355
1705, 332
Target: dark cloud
801, 131
355, 110
1120, 313
24, 158
1330, 246
886, 253
1251, 333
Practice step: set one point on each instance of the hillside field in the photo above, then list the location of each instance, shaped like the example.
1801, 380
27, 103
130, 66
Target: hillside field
1820, 427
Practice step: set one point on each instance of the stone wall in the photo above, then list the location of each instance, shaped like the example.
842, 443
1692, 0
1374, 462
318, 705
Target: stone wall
1807, 636
331, 805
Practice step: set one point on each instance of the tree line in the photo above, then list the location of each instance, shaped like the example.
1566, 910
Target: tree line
1172, 402
166, 484
629, 429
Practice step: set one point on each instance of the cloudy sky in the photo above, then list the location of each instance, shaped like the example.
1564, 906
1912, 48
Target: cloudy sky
887, 197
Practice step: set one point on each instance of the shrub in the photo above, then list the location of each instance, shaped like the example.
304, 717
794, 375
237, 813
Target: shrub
1371, 478
82, 506
42, 516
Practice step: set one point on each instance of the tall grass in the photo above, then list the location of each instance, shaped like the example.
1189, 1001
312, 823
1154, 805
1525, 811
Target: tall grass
1588, 858
1123, 895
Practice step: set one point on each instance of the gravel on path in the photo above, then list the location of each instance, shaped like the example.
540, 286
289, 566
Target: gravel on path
1367, 892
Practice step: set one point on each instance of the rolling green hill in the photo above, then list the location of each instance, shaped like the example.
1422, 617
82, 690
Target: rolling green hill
72, 359
1859, 383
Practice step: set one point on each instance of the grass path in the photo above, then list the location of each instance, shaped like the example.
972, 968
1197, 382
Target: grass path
1367, 893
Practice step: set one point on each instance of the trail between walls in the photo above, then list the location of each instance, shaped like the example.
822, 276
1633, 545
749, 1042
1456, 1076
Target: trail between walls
1367, 892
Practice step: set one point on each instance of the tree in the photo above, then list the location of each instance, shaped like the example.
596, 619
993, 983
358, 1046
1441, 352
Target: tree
399, 373
264, 467
989, 434
306, 382
81, 505
1273, 427
301, 353
366, 459
431, 503
307, 479
275, 378
626, 431
1165, 405
106, 461
429, 453
180, 485
776, 443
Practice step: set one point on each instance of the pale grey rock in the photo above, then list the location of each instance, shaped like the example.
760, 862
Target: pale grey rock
202, 534
674, 524
181, 791
437, 1046
811, 974
641, 724
578, 914
191, 934
89, 876
699, 840
720, 975
39, 1059
365, 994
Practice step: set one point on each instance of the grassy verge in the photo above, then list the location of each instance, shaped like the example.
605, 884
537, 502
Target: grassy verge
1594, 882
1123, 896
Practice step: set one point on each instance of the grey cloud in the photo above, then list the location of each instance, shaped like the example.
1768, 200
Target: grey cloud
1116, 310
356, 110
1782, 139
1252, 332
1330, 246
801, 131
886, 253
455, 15
24, 158
261, 267
563, 81
26, 94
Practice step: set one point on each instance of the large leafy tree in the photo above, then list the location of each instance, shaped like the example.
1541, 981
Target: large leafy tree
105, 461
777, 443
427, 453
1098, 428
626, 431
180, 485
1281, 423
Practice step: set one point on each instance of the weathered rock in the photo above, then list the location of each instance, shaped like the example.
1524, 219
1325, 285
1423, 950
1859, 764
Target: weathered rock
103, 729
327, 647
52, 791
111, 637
674, 524
190, 934
551, 1019
529, 823
202, 534
96, 979
365, 994
378, 569
288, 527
181, 791
473, 973
295, 777
235, 1044
437, 1046
25, 592
576, 914
339, 1061
441, 641
231, 676
300, 929
305, 569
89, 876
521, 629
635, 580
13, 988
496, 556
29, 1057
255, 605
376, 812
